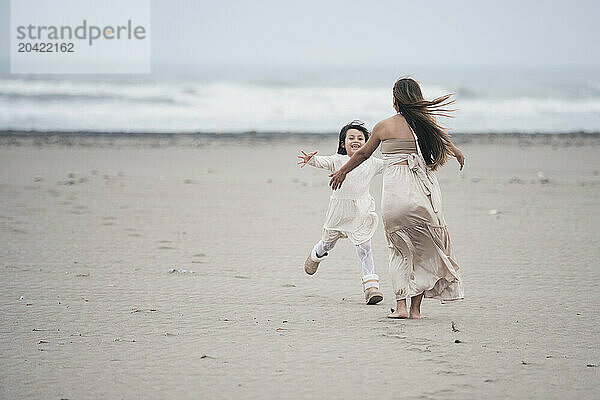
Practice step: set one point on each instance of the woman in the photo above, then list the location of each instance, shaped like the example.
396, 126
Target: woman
414, 146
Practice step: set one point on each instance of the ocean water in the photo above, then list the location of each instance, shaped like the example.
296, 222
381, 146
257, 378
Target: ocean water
500, 101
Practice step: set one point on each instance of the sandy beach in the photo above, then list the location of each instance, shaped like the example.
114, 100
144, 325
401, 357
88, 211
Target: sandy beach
91, 226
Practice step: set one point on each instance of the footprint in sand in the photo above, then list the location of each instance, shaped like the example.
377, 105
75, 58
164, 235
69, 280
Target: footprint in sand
79, 210
419, 349
199, 255
420, 341
453, 373
394, 335
108, 221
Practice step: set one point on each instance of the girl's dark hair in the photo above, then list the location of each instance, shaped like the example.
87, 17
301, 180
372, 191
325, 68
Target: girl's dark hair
420, 114
356, 124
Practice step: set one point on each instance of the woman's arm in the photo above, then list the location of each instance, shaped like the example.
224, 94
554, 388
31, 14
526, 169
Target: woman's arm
358, 158
455, 151
459, 156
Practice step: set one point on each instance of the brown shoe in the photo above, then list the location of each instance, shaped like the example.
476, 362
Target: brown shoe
371, 288
312, 261
373, 295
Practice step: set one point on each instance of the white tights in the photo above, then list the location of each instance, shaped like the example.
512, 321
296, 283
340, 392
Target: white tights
363, 251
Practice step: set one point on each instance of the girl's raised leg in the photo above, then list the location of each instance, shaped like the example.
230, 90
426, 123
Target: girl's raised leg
324, 247
317, 254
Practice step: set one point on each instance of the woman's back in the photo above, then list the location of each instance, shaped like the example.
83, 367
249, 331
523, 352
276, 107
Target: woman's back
396, 137
394, 127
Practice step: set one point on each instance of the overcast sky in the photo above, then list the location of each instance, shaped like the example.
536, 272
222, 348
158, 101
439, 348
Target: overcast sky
361, 34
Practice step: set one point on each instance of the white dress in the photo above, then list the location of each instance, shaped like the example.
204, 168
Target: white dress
351, 211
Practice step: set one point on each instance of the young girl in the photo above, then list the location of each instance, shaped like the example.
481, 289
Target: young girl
351, 212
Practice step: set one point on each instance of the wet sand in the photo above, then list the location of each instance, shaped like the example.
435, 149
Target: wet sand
90, 229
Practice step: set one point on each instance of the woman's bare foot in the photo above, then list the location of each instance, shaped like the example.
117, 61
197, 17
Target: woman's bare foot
400, 311
415, 307
398, 314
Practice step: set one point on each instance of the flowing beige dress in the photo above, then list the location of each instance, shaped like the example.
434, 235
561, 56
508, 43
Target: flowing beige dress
421, 253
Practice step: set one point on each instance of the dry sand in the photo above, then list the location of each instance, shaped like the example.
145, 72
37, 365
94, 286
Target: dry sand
90, 227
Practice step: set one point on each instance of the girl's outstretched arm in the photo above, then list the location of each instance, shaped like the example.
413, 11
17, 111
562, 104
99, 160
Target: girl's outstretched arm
324, 162
305, 158
358, 158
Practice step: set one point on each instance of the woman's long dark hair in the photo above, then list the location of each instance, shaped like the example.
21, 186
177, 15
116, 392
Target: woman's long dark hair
420, 114
356, 124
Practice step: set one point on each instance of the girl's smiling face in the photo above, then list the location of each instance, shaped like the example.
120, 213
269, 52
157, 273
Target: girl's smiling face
355, 139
